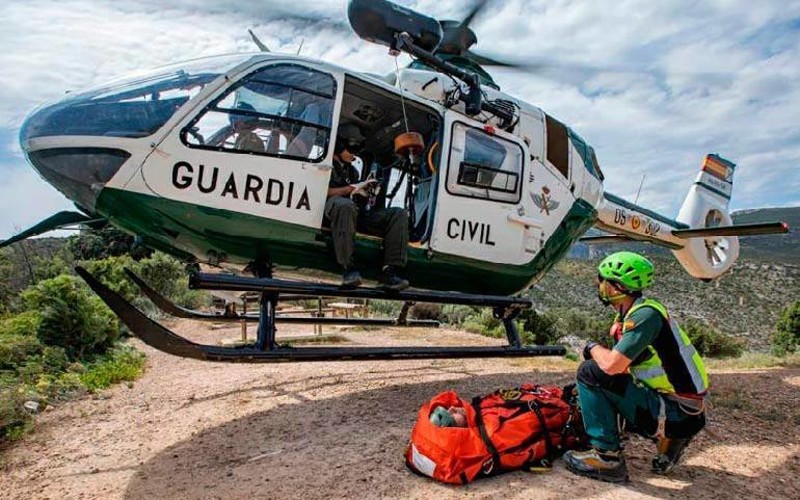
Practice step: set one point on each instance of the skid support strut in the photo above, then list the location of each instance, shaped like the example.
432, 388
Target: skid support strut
508, 316
268, 304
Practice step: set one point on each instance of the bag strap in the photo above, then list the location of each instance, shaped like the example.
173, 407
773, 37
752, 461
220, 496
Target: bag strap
476, 404
547, 441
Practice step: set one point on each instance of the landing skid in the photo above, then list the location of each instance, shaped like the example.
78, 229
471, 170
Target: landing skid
267, 350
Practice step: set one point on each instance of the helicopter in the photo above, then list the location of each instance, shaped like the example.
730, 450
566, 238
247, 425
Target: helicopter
496, 189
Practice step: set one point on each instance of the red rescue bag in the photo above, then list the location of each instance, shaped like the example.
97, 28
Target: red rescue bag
521, 428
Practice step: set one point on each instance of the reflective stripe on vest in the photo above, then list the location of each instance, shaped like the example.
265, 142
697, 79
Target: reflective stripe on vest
651, 372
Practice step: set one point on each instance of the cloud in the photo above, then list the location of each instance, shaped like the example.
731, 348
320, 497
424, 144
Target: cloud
26, 199
653, 86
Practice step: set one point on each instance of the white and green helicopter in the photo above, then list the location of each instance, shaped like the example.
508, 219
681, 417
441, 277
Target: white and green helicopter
497, 190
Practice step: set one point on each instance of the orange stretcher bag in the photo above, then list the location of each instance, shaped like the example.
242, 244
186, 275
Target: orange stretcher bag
521, 428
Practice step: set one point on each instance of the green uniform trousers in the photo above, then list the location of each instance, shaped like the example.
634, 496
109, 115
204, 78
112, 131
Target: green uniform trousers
346, 217
604, 397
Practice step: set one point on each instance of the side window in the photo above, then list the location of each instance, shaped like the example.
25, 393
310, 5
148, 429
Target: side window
484, 166
282, 110
557, 145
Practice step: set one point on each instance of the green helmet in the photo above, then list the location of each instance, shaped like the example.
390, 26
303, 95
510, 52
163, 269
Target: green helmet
631, 270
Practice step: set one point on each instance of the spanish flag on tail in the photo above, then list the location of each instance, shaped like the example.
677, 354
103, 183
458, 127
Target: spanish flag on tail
718, 167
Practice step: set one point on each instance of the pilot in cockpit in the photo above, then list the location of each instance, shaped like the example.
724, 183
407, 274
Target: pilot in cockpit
242, 126
347, 209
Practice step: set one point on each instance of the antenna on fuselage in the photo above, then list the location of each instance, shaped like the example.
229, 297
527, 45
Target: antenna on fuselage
640, 189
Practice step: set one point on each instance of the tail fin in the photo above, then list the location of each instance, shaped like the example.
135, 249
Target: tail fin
706, 205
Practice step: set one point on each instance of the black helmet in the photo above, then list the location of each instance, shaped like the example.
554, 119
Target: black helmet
236, 118
349, 137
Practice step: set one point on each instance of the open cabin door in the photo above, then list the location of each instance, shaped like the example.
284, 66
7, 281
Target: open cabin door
480, 192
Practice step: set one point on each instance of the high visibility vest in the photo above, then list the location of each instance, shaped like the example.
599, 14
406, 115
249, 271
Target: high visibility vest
670, 364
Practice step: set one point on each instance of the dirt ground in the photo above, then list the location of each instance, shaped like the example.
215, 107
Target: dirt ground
190, 429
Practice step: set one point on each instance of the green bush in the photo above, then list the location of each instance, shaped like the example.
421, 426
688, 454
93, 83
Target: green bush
72, 317
456, 314
16, 349
14, 418
23, 324
111, 272
710, 342
385, 308
45, 268
120, 364
167, 275
484, 323
786, 337
103, 243
539, 328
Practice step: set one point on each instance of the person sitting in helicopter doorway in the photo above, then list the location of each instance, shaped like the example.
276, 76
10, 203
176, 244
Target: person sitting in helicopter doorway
653, 377
347, 210
242, 126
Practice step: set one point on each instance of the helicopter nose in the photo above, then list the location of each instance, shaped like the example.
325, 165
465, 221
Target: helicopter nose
77, 170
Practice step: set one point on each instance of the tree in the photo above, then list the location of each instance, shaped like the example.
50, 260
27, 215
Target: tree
787, 331
103, 243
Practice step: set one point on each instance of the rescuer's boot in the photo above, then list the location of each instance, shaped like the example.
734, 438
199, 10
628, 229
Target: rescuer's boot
607, 466
351, 279
391, 281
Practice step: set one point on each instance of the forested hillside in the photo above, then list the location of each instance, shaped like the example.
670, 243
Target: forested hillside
746, 302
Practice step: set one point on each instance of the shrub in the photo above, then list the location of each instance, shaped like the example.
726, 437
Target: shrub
111, 272
45, 268
539, 328
23, 324
390, 308
426, 310
14, 418
16, 349
72, 317
167, 275
118, 365
484, 323
786, 337
710, 342
104, 243
456, 314
586, 326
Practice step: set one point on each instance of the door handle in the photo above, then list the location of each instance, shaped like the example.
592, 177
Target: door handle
525, 221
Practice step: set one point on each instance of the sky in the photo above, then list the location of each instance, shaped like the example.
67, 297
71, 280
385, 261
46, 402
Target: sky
652, 85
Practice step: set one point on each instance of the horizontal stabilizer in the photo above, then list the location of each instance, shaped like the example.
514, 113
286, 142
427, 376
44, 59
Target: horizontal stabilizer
734, 230
57, 221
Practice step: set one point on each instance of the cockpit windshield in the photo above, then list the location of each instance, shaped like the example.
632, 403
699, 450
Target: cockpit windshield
135, 106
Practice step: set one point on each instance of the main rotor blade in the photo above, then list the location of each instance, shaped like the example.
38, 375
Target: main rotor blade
479, 6
259, 43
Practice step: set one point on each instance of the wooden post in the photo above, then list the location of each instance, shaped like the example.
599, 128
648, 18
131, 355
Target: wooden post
318, 327
244, 321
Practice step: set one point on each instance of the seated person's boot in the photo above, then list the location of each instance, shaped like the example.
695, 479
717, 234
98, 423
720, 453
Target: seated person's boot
670, 451
351, 279
391, 281
606, 466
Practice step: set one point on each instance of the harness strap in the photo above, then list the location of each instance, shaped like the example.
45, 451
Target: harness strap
662, 418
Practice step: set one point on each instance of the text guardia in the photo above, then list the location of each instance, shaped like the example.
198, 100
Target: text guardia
247, 187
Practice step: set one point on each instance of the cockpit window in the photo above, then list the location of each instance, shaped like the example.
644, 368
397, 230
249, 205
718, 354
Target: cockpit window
282, 110
135, 106
484, 166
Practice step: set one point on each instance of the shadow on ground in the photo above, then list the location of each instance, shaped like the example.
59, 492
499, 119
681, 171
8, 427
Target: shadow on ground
352, 446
